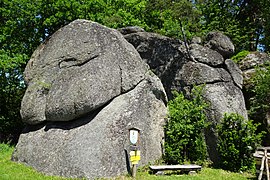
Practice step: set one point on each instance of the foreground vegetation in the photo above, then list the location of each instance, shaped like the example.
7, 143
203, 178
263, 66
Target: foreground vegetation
14, 171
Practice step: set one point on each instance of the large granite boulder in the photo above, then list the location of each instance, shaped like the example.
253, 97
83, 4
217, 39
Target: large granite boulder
87, 86
80, 68
180, 69
220, 43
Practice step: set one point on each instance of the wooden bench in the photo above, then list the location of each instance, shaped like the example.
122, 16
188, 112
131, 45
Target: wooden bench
184, 168
262, 158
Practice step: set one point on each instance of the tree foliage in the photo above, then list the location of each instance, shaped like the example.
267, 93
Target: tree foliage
165, 16
184, 139
237, 141
11, 92
261, 82
242, 20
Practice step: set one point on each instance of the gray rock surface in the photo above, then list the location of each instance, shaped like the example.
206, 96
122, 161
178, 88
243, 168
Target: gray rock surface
196, 40
164, 55
223, 96
197, 73
249, 63
97, 145
170, 61
205, 55
253, 59
79, 69
235, 72
86, 87
130, 29
220, 43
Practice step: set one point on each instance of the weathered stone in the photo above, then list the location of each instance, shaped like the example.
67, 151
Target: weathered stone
155, 49
253, 59
82, 67
169, 59
164, 55
130, 29
205, 55
220, 43
249, 63
97, 145
235, 72
198, 73
104, 86
223, 98
196, 40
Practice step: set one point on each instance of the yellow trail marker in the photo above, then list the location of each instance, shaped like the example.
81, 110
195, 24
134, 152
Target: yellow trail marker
135, 156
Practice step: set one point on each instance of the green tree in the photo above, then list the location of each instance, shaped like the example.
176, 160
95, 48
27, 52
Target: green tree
167, 17
242, 20
11, 92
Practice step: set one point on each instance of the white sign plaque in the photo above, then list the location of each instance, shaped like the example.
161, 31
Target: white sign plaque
134, 134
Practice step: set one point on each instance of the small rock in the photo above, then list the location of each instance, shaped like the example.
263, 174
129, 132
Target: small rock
130, 30
192, 173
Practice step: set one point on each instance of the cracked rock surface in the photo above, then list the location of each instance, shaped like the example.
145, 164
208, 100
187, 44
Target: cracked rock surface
180, 69
87, 86
97, 145
80, 68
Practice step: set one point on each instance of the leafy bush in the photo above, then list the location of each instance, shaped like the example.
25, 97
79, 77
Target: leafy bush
184, 140
261, 82
237, 140
239, 56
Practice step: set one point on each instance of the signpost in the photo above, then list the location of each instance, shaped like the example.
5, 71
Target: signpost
135, 154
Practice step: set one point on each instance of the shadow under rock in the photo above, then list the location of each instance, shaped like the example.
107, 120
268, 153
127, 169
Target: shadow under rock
64, 125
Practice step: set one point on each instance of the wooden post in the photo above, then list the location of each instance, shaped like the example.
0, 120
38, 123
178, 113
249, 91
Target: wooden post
266, 164
262, 168
134, 169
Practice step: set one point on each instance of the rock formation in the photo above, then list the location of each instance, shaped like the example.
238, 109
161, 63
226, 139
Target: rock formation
250, 62
248, 66
86, 87
180, 68
220, 43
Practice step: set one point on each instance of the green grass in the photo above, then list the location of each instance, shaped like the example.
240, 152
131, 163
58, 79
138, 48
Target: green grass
14, 171
205, 174
10, 170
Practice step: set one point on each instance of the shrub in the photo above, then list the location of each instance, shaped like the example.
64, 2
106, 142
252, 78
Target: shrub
184, 140
239, 56
237, 140
261, 89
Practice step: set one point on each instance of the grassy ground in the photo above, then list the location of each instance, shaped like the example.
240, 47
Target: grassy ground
14, 171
